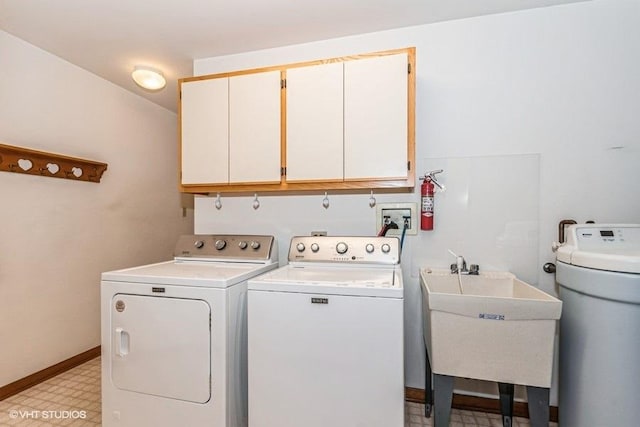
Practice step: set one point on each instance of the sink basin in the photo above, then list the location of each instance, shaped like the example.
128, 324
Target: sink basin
496, 328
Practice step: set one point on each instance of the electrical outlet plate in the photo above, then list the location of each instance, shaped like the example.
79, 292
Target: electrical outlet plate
396, 213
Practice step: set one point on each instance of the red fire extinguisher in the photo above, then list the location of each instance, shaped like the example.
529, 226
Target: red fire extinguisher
427, 191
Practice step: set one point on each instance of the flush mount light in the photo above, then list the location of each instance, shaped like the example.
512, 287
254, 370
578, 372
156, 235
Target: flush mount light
148, 77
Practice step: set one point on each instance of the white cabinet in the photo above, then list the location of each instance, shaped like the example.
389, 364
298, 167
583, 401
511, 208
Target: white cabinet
348, 120
230, 129
314, 123
205, 131
254, 128
341, 123
375, 118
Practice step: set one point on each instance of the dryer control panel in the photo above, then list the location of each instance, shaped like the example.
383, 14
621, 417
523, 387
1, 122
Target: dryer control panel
226, 247
345, 249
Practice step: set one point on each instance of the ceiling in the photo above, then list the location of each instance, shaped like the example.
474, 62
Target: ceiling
109, 37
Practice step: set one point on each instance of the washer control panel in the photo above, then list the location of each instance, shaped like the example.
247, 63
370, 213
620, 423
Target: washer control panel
224, 246
345, 249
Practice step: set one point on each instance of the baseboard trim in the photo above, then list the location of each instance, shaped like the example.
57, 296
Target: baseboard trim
475, 403
50, 372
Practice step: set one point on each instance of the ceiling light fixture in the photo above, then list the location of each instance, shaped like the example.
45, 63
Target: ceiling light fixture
148, 77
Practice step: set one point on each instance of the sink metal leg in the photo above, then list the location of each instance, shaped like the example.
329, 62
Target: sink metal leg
428, 387
506, 403
538, 398
443, 396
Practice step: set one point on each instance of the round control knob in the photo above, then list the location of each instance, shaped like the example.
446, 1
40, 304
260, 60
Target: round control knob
369, 248
220, 244
342, 248
255, 245
386, 248
242, 245
300, 247
199, 244
315, 247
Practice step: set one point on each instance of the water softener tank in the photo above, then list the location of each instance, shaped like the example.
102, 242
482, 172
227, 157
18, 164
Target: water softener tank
598, 270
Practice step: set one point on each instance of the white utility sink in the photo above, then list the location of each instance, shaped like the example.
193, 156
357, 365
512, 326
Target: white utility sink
498, 328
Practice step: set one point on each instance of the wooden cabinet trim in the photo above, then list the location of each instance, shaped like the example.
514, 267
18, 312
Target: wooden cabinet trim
410, 51
404, 183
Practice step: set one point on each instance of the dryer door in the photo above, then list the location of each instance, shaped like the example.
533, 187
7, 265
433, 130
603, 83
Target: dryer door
161, 346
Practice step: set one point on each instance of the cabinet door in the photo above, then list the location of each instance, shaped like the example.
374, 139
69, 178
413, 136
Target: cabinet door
205, 131
254, 128
376, 117
314, 123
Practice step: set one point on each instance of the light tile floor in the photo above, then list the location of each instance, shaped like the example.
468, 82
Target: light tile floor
73, 399
69, 399
414, 417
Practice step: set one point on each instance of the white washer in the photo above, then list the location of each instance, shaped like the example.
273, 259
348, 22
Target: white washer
598, 271
326, 336
174, 334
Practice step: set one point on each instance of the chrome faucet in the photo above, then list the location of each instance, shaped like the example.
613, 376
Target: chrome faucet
461, 266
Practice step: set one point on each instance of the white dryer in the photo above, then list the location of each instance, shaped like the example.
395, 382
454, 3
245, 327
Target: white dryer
598, 270
326, 336
174, 334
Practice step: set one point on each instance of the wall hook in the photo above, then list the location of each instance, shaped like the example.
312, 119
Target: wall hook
325, 201
372, 200
218, 202
256, 202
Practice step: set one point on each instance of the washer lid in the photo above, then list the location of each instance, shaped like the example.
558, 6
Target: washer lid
332, 280
611, 247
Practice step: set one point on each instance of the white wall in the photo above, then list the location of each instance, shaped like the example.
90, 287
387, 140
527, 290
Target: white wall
560, 83
59, 235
